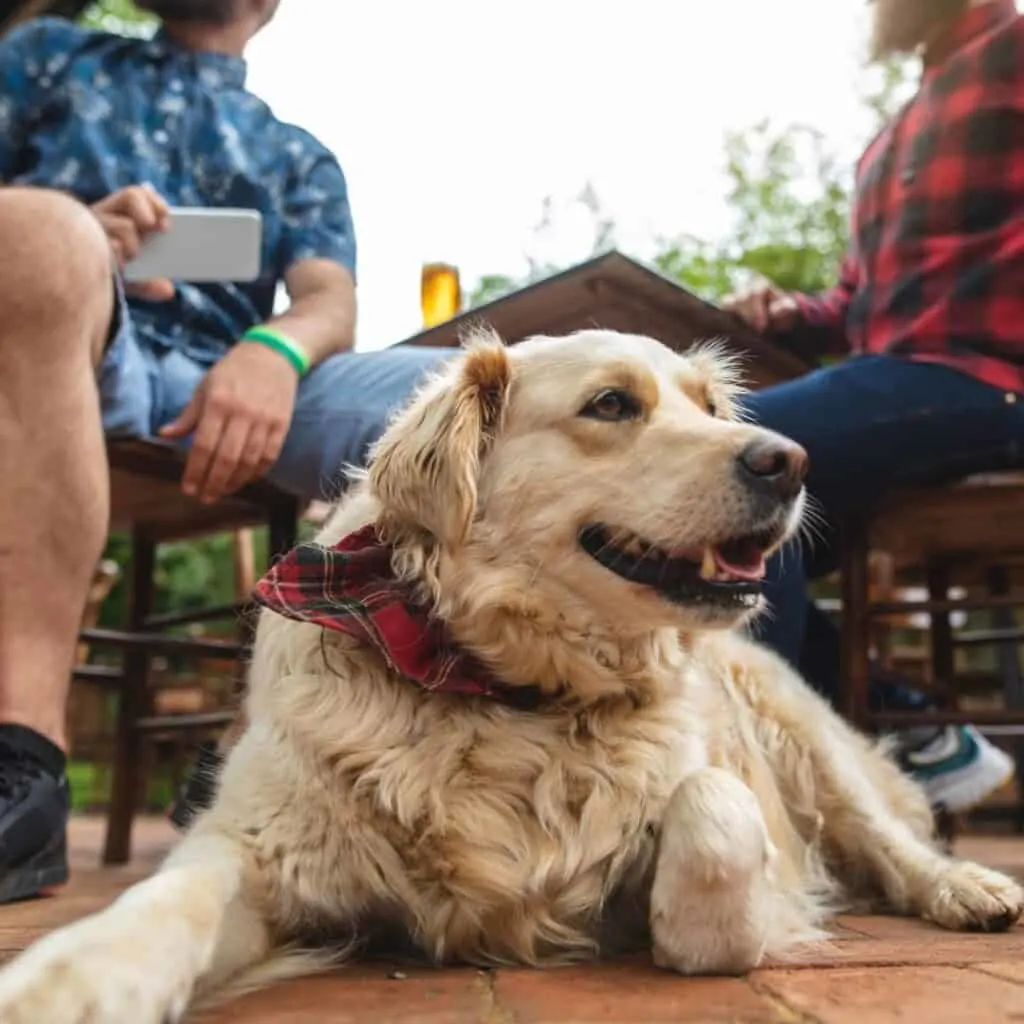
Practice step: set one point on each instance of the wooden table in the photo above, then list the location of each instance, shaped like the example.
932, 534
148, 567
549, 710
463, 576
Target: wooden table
617, 293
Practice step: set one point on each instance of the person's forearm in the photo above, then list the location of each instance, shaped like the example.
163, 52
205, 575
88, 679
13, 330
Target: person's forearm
821, 327
323, 323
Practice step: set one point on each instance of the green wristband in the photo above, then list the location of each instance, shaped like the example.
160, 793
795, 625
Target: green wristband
282, 344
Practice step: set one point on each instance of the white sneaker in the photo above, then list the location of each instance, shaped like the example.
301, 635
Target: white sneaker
959, 768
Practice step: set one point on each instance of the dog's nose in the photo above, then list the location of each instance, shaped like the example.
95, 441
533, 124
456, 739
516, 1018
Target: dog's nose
773, 464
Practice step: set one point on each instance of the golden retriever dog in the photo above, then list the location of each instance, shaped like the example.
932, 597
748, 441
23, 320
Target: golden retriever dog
588, 756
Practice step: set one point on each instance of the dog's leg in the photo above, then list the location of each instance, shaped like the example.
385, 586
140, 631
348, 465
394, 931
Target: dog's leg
138, 961
913, 874
870, 817
711, 898
874, 821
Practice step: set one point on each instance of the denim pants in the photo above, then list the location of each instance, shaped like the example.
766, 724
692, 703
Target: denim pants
342, 407
871, 424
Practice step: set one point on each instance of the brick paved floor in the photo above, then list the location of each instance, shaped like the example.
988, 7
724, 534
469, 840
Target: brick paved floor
877, 970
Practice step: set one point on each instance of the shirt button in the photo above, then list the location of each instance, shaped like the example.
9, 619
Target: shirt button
160, 136
1011, 398
907, 175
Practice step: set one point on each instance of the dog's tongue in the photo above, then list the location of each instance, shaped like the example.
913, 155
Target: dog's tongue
748, 566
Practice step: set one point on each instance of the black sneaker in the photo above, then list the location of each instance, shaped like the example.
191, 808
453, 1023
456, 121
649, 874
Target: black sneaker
200, 787
34, 808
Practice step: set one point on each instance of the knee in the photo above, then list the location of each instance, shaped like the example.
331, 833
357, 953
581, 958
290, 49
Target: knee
56, 260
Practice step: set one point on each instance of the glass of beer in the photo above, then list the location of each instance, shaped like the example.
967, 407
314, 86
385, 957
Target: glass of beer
440, 293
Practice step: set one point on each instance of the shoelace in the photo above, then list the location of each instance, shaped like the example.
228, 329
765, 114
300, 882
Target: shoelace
17, 773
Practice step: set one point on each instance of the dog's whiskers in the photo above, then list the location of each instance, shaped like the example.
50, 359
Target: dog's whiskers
813, 525
615, 542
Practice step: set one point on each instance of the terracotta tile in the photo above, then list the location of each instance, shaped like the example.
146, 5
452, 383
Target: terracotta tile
851, 926
625, 993
152, 837
941, 948
877, 968
13, 939
366, 995
912, 929
1010, 970
904, 941
936, 995
53, 910
1005, 853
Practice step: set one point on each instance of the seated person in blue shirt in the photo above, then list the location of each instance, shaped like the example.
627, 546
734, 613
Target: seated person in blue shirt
99, 136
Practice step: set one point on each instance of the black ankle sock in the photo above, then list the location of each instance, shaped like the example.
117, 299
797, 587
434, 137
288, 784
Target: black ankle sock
36, 745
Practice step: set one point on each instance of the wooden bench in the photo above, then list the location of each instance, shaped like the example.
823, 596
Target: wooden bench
968, 534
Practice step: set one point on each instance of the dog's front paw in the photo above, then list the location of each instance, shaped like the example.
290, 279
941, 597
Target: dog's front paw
89, 974
968, 897
712, 892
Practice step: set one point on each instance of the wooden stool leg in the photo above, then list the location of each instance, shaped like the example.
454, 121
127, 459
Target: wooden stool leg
943, 666
284, 528
941, 635
282, 522
1008, 659
856, 622
128, 775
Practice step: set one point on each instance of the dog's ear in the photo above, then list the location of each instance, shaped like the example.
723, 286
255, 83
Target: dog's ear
425, 468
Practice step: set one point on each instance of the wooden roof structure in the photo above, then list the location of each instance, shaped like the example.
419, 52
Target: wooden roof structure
615, 292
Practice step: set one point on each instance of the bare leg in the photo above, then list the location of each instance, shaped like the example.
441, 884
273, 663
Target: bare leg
58, 296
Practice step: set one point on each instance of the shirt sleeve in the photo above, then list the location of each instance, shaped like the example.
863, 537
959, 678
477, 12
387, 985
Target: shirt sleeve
822, 326
27, 55
317, 219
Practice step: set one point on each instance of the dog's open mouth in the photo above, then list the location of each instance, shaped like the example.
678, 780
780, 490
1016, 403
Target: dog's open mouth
727, 573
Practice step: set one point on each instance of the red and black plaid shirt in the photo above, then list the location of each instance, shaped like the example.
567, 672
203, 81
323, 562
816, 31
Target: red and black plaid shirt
935, 269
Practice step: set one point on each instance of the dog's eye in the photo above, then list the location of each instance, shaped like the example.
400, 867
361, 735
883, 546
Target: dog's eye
612, 405
711, 408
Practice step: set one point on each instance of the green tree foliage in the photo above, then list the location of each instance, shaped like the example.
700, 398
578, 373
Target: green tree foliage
789, 195
118, 16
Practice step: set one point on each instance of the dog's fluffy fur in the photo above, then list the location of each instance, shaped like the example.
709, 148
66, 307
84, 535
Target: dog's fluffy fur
682, 789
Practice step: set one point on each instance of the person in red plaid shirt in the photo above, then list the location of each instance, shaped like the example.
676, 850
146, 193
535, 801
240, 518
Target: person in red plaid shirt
930, 303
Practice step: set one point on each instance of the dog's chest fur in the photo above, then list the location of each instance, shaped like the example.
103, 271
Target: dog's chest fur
485, 833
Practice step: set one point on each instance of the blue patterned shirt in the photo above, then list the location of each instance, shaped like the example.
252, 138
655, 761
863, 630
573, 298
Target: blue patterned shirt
90, 113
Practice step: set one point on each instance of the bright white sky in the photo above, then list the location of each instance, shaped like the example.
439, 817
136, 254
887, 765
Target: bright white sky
453, 119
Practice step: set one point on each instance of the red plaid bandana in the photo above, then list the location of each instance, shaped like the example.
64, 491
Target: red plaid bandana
351, 588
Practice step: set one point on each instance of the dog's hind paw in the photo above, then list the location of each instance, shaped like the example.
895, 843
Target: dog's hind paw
968, 897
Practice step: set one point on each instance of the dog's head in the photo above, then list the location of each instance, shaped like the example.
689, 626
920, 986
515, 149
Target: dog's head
599, 477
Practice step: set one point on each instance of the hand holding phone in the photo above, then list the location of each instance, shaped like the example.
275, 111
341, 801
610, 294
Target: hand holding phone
200, 244
128, 217
155, 244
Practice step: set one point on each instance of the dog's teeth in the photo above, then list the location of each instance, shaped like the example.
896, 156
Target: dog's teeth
708, 566
633, 546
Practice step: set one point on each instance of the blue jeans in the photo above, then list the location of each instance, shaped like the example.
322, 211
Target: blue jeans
342, 406
872, 424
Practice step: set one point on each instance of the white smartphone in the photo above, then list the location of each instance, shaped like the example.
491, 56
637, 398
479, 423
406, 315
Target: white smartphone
202, 244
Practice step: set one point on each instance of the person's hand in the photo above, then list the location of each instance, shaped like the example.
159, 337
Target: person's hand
128, 217
239, 415
765, 308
